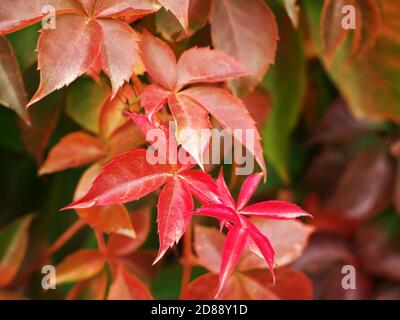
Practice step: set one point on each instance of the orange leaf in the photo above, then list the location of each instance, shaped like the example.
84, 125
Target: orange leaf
80, 265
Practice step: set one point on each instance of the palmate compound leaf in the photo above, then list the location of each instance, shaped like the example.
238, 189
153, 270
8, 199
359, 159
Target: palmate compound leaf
81, 40
242, 232
247, 282
197, 65
130, 176
252, 44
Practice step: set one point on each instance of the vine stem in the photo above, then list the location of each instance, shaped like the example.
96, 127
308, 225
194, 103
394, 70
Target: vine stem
187, 259
64, 238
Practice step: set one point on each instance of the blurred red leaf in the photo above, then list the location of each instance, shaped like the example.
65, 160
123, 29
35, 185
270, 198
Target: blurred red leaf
255, 285
125, 286
288, 238
73, 150
366, 186
80, 265
91, 289
252, 44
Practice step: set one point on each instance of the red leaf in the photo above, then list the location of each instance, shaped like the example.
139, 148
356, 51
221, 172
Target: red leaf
174, 205
180, 9
153, 98
290, 285
73, 150
288, 238
248, 188
253, 44
259, 105
12, 94
80, 265
126, 178
208, 243
218, 211
91, 289
206, 65
232, 114
159, 60
17, 14
142, 122
205, 287
122, 245
108, 219
192, 125
119, 51
223, 191
280, 210
130, 8
264, 245
126, 286
126, 138
201, 185
234, 245
66, 52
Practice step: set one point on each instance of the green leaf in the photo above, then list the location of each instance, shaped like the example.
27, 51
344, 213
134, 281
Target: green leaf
24, 43
85, 97
285, 82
